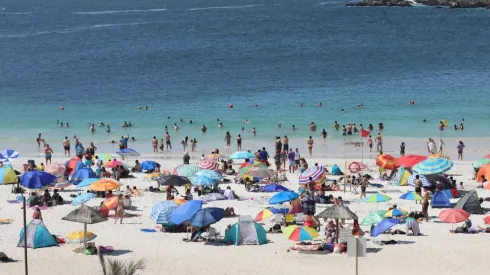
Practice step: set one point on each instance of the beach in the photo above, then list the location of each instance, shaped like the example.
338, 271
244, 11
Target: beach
435, 251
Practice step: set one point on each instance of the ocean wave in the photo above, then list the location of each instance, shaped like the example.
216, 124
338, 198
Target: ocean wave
225, 7
14, 13
116, 11
330, 3
72, 30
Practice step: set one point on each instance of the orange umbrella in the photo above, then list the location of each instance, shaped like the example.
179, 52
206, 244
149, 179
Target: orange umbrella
386, 161
110, 203
112, 163
483, 171
179, 201
105, 185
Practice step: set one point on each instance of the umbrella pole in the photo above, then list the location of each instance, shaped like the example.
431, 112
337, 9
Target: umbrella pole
338, 231
25, 234
84, 236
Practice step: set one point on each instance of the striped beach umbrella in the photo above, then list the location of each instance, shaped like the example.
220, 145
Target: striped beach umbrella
387, 162
264, 214
61, 183
411, 196
57, 169
202, 180
104, 156
260, 172
317, 174
374, 217
210, 174
241, 155
433, 166
187, 170
8, 155
395, 212
376, 198
481, 162
8, 175
411, 180
128, 152
208, 164
110, 203
300, 233
83, 198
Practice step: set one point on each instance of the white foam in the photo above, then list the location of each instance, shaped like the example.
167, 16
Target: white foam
117, 11
225, 7
15, 13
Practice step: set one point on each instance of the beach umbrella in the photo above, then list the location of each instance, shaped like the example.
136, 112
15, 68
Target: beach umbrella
187, 170
105, 185
208, 164
8, 155
112, 163
387, 162
210, 174
486, 220
395, 212
300, 233
87, 182
104, 156
481, 162
337, 212
410, 160
185, 211
173, 180
241, 155
376, 198
83, 173
243, 170
412, 196
207, 216
422, 178
161, 212
83, 198
487, 156
202, 180
73, 165
85, 215
149, 165
283, 196
36, 179
260, 172
453, 215
317, 174
56, 169
128, 152
81, 236
264, 214
179, 202
110, 203
60, 183
8, 176
382, 226
374, 217
152, 176
483, 171
274, 187
433, 166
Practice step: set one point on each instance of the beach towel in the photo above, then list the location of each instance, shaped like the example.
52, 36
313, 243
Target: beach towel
148, 230
6, 221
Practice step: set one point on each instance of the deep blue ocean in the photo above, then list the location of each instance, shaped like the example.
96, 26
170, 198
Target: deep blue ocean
191, 59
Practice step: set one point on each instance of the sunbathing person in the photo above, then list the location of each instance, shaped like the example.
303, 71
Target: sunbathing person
136, 191
230, 212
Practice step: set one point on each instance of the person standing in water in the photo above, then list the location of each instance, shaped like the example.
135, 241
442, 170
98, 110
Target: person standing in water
370, 143
154, 144
324, 134
239, 143
441, 146
66, 146
38, 140
379, 143
228, 139
309, 142
167, 141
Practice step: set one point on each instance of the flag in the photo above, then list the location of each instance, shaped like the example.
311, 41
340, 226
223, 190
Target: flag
365, 133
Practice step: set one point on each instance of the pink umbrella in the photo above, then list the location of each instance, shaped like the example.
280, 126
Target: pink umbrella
208, 164
454, 215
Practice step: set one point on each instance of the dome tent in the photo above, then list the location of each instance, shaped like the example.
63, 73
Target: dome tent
246, 231
38, 235
440, 200
470, 203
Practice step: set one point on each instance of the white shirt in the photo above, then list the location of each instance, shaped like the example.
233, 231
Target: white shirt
229, 194
296, 155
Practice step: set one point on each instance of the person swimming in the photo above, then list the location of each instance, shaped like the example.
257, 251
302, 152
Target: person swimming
204, 128
62, 107
61, 125
67, 125
220, 125
146, 107
336, 125
381, 126
176, 127
293, 128
246, 121
139, 107
124, 125
254, 131
181, 120
243, 129
370, 127
133, 139
301, 105
424, 120
190, 121
108, 129
101, 124
279, 125
342, 111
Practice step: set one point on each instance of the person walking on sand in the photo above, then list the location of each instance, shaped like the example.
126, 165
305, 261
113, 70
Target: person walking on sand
364, 184
285, 143
441, 145
119, 209
239, 142
228, 139
48, 152
38, 140
379, 143
154, 144
370, 143
310, 145
66, 146
292, 163
460, 150
425, 205
402, 149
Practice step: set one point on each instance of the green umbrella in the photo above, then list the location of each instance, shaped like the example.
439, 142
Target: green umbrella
481, 162
374, 217
187, 170
245, 169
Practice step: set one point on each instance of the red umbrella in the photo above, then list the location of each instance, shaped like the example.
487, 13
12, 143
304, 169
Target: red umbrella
410, 160
387, 162
208, 164
487, 156
487, 220
454, 215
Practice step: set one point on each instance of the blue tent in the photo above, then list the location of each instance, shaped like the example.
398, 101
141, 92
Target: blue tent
149, 165
274, 187
336, 170
38, 236
440, 200
246, 231
382, 226
82, 174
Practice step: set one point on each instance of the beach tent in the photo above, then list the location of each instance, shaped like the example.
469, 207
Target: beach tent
246, 231
38, 236
73, 165
470, 203
336, 170
440, 200
8, 175
403, 177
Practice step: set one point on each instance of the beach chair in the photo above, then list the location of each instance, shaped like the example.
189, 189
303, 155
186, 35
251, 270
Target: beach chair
289, 219
213, 234
300, 219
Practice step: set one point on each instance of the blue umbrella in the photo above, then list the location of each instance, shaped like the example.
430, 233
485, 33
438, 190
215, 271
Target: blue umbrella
185, 212
36, 179
384, 225
210, 174
241, 155
149, 165
128, 152
83, 198
207, 216
81, 174
274, 187
162, 211
283, 196
87, 182
274, 210
8, 155
422, 178
433, 166
202, 180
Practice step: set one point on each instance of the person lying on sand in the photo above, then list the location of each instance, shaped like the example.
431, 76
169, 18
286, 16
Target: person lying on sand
230, 212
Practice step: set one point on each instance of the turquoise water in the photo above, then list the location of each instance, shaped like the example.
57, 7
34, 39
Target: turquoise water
191, 60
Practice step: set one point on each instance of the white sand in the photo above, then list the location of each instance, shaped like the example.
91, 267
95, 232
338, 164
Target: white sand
439, 252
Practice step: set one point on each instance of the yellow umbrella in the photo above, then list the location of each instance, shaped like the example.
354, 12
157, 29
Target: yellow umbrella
395, 212
105, 185
79, 236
